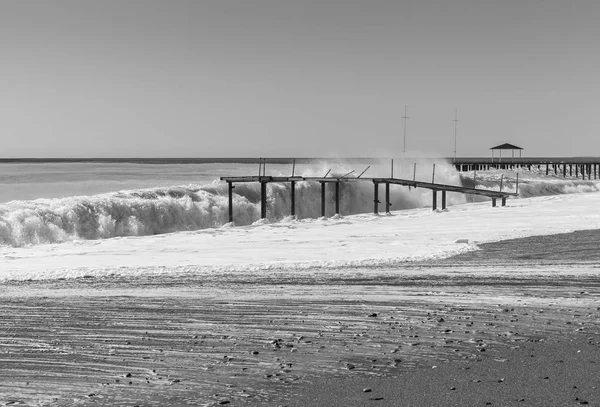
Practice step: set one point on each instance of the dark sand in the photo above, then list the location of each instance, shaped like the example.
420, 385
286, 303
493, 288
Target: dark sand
513, 324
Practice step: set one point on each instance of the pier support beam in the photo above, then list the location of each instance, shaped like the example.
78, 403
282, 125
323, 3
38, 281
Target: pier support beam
375, 198
493, 202
230, 194
434, 204
263, 200
443, 200
323, 199
337, 198
387, 197
293, 197
503, 201
564, 170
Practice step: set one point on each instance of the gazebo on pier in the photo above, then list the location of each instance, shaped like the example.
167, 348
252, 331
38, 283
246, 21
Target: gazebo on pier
506, 146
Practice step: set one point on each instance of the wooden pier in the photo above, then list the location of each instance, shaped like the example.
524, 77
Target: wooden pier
336, 181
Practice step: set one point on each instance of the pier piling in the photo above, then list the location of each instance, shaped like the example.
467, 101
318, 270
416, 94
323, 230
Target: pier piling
263, 199
375, 198
387, 197
322, 198
337, 197
293, 197
230, 195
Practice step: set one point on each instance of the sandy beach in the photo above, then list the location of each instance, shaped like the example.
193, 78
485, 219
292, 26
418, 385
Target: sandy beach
497, 329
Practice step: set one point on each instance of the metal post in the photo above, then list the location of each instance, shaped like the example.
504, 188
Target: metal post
263, 200
337, 197
230, 193
293, 196
455, 126
434, 199
387, 197
375, 198
405, 117
443, 200
322, 199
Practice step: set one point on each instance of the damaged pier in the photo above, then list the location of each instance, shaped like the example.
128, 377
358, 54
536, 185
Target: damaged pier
263, 180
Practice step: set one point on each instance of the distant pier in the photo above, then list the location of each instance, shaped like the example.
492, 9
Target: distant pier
578, 167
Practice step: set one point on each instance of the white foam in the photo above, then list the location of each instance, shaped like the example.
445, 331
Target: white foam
363, 240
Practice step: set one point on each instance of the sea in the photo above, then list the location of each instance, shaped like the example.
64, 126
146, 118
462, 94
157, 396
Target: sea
49, 202
53, 202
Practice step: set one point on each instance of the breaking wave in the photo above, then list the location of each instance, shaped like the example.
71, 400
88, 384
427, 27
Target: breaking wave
181, 208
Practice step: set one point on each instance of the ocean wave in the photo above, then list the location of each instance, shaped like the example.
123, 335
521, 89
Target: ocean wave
154, 211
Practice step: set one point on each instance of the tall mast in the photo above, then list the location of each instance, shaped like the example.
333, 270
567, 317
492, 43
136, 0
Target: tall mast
404, 119
455, 126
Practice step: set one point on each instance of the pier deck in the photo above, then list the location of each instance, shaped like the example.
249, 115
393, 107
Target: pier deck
434, 187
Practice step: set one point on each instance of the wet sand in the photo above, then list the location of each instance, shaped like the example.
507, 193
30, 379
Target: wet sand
484, 327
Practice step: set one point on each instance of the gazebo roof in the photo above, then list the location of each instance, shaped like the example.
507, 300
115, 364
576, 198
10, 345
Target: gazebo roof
506, 146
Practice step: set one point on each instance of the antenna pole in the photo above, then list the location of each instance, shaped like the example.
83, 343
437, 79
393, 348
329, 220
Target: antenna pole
455, 126
404, 119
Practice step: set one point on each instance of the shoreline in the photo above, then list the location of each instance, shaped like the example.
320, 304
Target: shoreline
286, 339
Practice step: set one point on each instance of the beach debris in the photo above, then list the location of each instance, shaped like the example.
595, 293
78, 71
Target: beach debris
350, 366
462, 241
367, 390
222, 402
376, 398
373, 315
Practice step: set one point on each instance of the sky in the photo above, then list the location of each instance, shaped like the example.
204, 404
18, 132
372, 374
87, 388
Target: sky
273, 78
